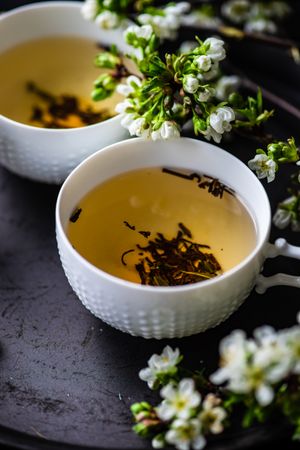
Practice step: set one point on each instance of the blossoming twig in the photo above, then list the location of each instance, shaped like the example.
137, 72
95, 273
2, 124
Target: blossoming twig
188, 88
260, 374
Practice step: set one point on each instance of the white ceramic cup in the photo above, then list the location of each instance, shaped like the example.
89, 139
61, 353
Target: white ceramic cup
175, 311
49, 155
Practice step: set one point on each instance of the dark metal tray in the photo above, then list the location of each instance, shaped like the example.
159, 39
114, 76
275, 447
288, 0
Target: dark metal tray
67, 379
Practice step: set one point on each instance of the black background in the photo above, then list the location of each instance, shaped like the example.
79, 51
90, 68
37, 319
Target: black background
69, 377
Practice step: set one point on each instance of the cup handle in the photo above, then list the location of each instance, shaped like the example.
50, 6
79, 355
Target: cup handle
283, 248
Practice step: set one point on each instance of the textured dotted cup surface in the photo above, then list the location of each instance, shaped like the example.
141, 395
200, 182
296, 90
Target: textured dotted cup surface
162, 312
49, 155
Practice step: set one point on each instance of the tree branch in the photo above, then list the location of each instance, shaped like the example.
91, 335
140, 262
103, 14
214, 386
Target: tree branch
231, 32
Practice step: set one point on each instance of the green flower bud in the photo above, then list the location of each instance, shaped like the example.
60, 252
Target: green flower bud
143, 429
107, 60
199, 124
100, 94
283, 151
235, 99
106, 81
136, 408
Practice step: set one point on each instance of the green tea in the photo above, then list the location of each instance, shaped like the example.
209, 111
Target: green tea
144, 218
47, 83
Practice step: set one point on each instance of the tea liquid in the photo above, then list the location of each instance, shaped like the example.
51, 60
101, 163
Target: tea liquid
58, 65
133, 207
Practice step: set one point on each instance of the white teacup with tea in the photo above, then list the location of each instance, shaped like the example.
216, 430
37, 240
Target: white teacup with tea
48, 122
164, 240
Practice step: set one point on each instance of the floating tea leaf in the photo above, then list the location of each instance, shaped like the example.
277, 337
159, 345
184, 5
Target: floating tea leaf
62, 111
156, 228
213, 185
75, 215
176, 261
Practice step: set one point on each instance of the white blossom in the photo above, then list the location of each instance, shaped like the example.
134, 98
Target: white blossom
205, 93
236, 10
165, 27
282, 218
168, 130
143, 32
137, 127
271, 355
254, 366
89, 9
264, 166
233, 349
216, 49
178, 9
127, 120
107, 20
260, 25
212, 414
178, 401
129, 87
177, 108
122, 106
220, 119
226, 85
277, 9
265, 335
186, 434
295, 225
280, 9
290, 338
160, 364
203, 62
187, 46
199, 19
210, 133
212, 73
157, 442
190, 84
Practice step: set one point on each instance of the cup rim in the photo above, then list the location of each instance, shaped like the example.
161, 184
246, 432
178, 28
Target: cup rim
158, 289
46, 5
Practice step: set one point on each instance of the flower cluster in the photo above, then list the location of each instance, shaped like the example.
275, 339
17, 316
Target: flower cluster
165, 95
266, 163
183, 418
288, 213
161, 368
256, 17
165, 21
255, 366
204, 16
109, 14
261, 373
175, 90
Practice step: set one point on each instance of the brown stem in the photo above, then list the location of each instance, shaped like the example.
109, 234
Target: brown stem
261, 37
231, 32
257, 135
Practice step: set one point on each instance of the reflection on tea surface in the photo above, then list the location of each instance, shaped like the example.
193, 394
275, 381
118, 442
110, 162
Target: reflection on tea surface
47, 83
162, 227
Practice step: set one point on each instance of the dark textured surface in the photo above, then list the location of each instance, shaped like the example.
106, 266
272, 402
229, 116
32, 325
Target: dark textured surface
66, 378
